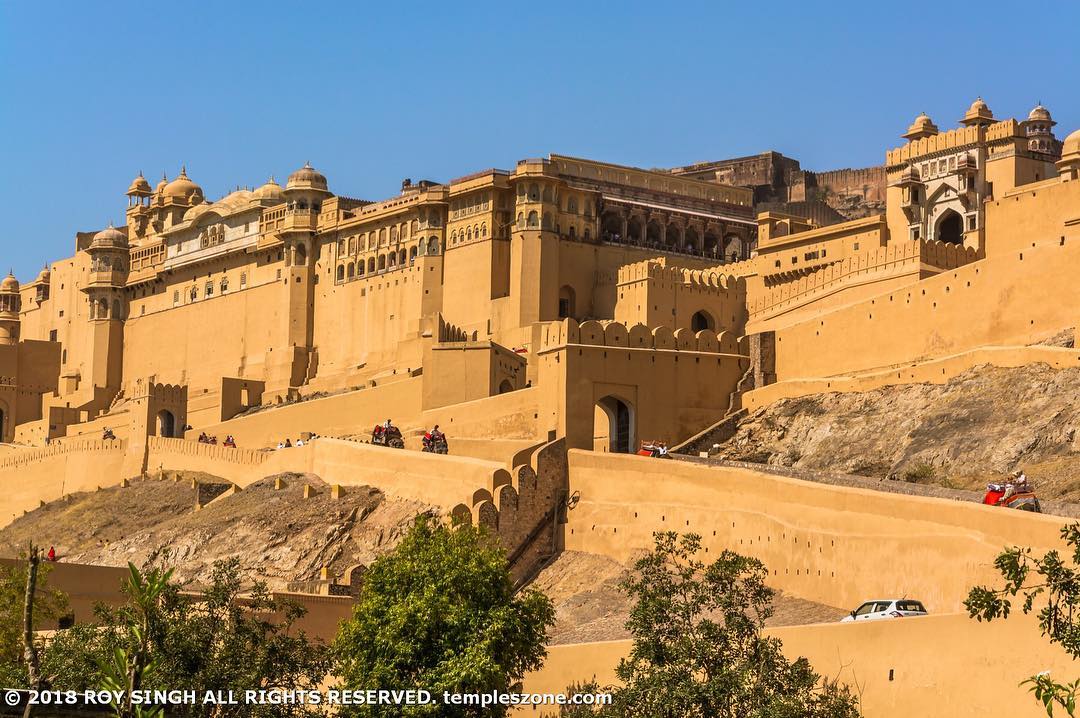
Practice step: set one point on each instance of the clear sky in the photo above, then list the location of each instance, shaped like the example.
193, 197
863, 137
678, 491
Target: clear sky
372, 93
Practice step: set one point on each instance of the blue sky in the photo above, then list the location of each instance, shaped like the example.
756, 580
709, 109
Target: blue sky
372, 93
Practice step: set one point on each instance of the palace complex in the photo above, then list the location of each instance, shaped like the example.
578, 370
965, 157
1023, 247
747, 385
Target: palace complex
550, 315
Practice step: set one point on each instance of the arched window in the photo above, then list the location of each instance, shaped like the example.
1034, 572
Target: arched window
573, 234
468, 233
534, 192
521, 221
401, 256
371, 265
433, 245
194, 293
382, 262
341, 272
483, 229
453, 237
360, 268
392, 258
102, 309
533, 221
224, 285
393, 234
412, 254
350, 270
700, 321
571, 204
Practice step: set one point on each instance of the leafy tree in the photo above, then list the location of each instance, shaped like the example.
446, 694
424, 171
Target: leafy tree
224, 639
48, 606
439, 614
698, 648
1054, 583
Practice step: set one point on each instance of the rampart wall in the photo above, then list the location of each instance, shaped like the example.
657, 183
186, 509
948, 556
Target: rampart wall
1008, 299
874, 270
894, 666
820, 542
32, 476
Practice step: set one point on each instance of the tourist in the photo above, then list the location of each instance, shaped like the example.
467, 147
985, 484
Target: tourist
281, 445
299, 442
288, 444
52, 554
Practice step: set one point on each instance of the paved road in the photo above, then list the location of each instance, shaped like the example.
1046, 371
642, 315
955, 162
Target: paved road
1058, 508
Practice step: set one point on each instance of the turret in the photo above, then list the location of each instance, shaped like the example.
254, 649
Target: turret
10, 304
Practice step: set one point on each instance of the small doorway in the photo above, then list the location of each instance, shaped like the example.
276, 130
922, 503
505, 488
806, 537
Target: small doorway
166, 423
613, 426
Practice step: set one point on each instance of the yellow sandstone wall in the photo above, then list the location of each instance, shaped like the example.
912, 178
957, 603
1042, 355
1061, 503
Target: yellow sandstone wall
895, 667
1010, 299
820, 542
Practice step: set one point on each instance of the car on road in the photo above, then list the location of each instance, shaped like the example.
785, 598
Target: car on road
886, 608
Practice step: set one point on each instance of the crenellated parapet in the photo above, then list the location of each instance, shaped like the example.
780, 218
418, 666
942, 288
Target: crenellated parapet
660, 270
784, 290
568, 332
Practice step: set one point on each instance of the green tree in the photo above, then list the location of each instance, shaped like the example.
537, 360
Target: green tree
223, 639
698, 649
1051, 582
439, 614
48, 606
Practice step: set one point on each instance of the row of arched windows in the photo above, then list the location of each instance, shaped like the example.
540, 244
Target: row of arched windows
467, 234
395, 259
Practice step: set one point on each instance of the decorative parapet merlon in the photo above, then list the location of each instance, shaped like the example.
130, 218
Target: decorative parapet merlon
568, 332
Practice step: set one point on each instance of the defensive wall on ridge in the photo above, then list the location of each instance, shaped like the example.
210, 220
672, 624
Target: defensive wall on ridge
1017, 298
853, 278
820, 542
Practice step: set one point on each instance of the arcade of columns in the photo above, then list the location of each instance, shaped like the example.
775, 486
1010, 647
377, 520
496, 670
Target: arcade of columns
678, 231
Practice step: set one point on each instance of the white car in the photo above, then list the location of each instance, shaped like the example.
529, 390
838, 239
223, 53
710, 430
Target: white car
886, 608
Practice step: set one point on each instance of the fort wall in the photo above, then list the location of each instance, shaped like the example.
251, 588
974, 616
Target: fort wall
30, 477
820, 542
1010, 299
894, 667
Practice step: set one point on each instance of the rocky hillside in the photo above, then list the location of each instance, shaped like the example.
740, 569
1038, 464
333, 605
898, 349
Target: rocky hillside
276, 533
978, 427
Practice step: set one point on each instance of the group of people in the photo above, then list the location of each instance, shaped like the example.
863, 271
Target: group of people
655, 449
108, 435
205, 438
288, 444
435, 441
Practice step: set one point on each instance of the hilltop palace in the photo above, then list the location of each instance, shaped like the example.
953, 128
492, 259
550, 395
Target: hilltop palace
552, 316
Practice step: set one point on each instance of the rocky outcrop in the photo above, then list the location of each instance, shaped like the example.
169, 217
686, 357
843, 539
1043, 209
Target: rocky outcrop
978, 427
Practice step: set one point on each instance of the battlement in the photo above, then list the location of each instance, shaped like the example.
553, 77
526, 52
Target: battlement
568, 332
22, 458
953, 139
886, 261
160, 447
658, 269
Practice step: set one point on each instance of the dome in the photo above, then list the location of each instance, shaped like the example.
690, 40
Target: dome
44, 275
1040, 114
270, 191
160, 189
1071, 145
182, 187
923, 126
978, 113
307, 177
109, 237
139, 185
10, 285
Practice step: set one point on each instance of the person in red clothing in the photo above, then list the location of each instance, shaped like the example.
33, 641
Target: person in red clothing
52, 553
